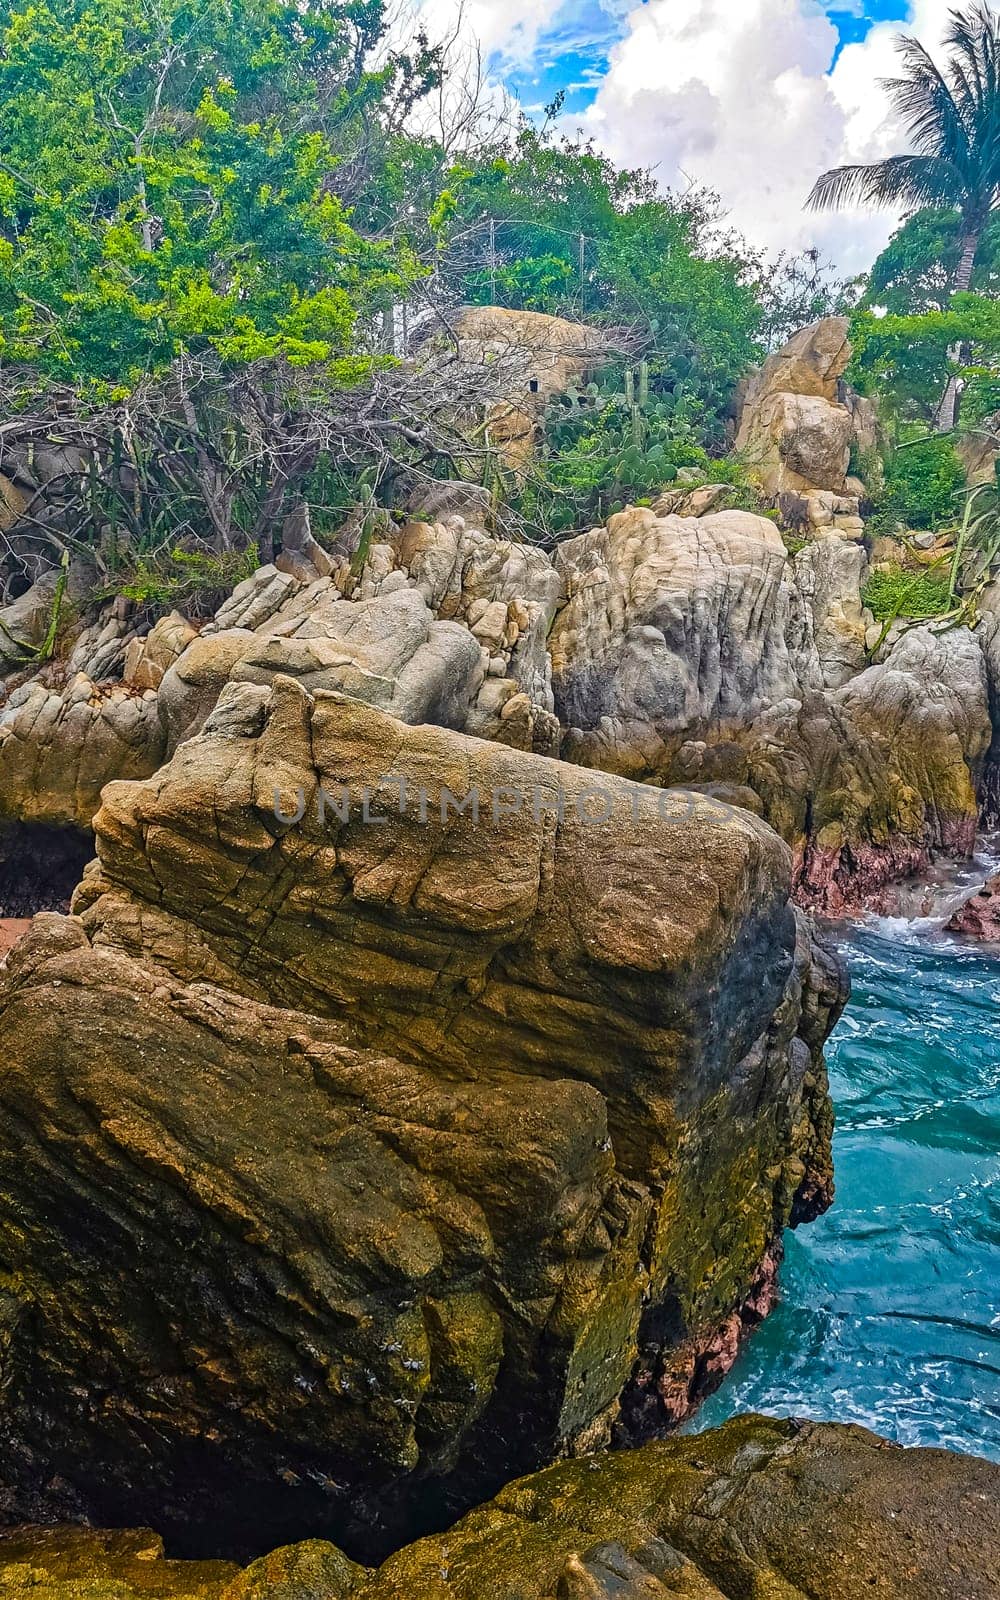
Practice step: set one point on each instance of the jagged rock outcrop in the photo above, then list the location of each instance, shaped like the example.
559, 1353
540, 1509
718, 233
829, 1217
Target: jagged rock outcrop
692, 652
349, 1163
798, 422
673, 629
448, 626
675, 649
979, 917
800, 1511
793, 428
870, 780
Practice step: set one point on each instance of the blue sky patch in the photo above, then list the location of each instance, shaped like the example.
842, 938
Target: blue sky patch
573, 54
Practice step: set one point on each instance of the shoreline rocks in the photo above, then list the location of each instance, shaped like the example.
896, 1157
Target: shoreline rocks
804, 1510
979, 917
428, 1145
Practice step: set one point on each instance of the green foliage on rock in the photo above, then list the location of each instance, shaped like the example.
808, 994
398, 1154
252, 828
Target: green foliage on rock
604, 450
601, 452
195, 580
891, 593
924, 483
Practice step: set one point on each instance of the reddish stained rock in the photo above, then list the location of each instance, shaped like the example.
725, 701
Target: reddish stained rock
980, 915
667, 1390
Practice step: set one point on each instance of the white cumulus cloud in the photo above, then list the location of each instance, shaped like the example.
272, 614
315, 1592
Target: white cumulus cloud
735, 94
738, 94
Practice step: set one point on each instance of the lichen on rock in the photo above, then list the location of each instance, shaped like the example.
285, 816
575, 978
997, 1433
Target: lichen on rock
763, 1508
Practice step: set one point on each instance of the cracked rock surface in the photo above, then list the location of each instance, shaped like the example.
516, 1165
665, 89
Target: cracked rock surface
351, 1167
757, 1510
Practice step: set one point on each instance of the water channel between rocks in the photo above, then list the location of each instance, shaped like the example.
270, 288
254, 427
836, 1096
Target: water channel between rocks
890, 1309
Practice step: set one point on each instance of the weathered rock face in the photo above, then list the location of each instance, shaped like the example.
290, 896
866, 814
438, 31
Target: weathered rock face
432, 1148
871, 779
798, 443
671, 648
544, 356
798, 420
692, 652
71, 1563
800, 1511
672, 629
444, 625
793, 428
979, 917
812, 363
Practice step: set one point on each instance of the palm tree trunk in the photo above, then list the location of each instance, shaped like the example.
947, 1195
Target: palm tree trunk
947, 414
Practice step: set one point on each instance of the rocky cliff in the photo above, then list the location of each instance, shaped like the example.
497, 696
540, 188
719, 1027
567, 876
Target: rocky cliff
674, 649
794, 1511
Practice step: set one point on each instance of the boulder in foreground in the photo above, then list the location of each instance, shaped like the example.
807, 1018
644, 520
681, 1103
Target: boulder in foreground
351, 1167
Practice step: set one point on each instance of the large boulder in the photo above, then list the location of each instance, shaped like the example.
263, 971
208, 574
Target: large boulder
673, 629
812, 363
798, 420
797, 443
763, 1508
60, 744
797, 1511
540, 357
830, 574
361, 1151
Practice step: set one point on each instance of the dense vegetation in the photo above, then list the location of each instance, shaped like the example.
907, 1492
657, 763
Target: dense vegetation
223, 223
221, 219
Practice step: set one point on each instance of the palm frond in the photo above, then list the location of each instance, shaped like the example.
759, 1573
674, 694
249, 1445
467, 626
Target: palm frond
973, 38
953, 119
909, 181
926, 104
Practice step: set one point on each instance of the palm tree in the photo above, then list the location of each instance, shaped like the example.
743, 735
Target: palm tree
953, 119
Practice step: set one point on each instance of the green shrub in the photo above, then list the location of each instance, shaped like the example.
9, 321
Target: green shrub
603, 452
924, 482
891, 593
197, 580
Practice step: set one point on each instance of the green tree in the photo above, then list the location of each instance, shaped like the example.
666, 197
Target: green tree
550, 225
917, 269
168, 183
900, 358
953, 118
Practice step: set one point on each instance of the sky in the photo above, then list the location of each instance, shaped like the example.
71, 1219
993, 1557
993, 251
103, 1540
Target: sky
754, 98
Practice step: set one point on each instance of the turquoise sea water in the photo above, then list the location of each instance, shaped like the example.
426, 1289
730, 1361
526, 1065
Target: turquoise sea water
890, 1311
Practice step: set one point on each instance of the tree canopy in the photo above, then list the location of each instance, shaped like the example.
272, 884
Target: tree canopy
168, 181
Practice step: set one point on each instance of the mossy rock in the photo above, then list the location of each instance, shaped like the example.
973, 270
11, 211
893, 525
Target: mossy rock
92, 1564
